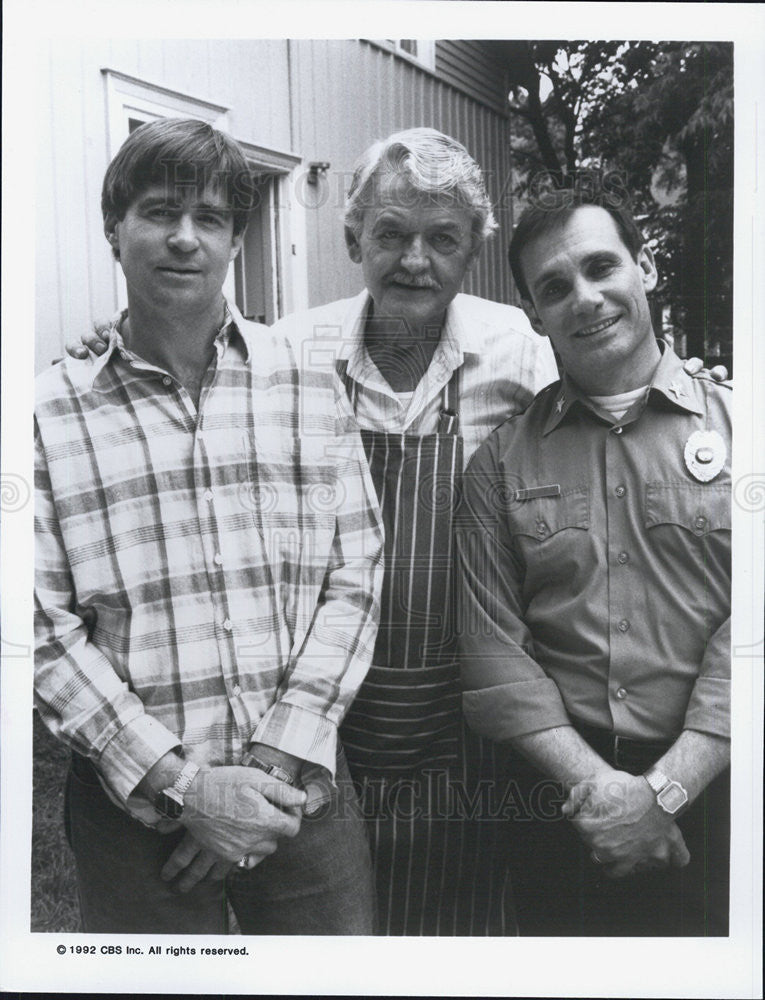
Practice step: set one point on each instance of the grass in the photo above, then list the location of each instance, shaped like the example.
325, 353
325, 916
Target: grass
54, 886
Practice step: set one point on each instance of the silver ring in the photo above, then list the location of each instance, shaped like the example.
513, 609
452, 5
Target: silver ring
244, 861
595, 858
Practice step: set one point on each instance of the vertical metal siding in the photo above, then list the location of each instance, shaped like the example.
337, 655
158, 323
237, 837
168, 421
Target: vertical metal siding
468, 66
322, 99
358, 93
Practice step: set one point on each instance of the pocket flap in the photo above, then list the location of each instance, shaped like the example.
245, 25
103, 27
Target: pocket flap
543, 517
698, 508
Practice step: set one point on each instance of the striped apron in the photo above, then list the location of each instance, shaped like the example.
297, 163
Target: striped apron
423, 779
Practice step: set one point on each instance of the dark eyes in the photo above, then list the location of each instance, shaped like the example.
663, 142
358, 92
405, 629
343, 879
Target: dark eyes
390, 236
394, 238
443, 240
555, 290
596, 270
599, 268
162, 213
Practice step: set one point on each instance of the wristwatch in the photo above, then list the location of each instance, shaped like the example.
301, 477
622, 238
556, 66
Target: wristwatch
250, 760
670, 795
169, 802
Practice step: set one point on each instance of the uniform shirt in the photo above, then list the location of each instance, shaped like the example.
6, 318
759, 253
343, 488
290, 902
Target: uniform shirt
610, 602
502, 363
231, 559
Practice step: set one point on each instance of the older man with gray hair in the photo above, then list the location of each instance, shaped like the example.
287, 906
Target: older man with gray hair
427, 373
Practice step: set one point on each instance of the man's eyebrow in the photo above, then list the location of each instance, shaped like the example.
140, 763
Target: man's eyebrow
394, 215
151, 201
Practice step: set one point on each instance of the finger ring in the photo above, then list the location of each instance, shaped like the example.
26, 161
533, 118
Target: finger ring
596, 859
244, 861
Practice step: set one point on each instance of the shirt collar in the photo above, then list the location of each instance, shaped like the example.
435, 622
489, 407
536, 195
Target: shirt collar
670, 383
231, 325
457, 339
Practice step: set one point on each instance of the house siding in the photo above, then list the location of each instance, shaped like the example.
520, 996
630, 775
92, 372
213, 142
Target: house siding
322, 100
470, 67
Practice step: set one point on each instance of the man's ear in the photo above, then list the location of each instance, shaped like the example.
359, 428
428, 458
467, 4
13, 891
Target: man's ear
236, 245
353, 245
111, 234
475, 253
647, 265
531, 313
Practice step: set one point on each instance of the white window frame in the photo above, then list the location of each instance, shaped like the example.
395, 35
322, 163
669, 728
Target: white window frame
425, 55
128, 97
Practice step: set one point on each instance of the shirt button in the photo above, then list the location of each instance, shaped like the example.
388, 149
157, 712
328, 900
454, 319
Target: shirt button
227, 624
623, 557
700, 523
623, 625
621, 694
218, 558
166, 380
542, 529
617, 430
620, 491
208, 496
236, 691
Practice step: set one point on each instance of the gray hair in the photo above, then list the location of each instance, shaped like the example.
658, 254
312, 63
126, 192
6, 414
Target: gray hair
431, 162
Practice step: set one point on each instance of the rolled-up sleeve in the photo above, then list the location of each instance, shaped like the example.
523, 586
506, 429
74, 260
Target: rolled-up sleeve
506, 693
709, 705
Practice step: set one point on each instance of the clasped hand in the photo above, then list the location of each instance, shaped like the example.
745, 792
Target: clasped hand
230, 812
618, 818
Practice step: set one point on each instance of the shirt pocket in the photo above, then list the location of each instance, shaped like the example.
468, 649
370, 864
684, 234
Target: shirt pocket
687, 528
697, 509
552, 534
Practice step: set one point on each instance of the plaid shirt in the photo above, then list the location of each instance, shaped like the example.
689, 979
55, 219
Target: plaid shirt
502, 365
204, 579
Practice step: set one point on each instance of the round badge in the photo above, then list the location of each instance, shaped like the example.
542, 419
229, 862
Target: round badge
705, 455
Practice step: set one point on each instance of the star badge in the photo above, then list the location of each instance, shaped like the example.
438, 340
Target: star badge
677, 389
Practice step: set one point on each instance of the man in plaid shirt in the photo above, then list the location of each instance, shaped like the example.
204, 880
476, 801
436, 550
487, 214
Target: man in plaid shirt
208, 566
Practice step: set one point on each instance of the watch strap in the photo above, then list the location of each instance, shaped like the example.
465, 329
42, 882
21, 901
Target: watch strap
174, 793
656, 779
273, 770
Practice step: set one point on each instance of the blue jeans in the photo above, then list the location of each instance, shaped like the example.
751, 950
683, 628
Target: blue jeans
319, 882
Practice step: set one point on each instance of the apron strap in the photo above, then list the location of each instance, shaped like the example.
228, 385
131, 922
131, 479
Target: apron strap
449, 418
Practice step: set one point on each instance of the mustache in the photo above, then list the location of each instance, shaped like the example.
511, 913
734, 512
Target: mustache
414, 280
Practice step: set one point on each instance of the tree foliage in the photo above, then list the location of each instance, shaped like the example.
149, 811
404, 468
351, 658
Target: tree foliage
661, 114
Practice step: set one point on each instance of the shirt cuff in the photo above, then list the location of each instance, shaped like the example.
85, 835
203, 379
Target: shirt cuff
509, 710
132, 752
304, 734
709, 708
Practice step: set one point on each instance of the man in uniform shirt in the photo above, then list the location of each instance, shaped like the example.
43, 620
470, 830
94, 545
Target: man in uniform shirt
208, 565
595, 546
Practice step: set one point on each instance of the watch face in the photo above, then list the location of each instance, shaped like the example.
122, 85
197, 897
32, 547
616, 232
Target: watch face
168, 805
673, 797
